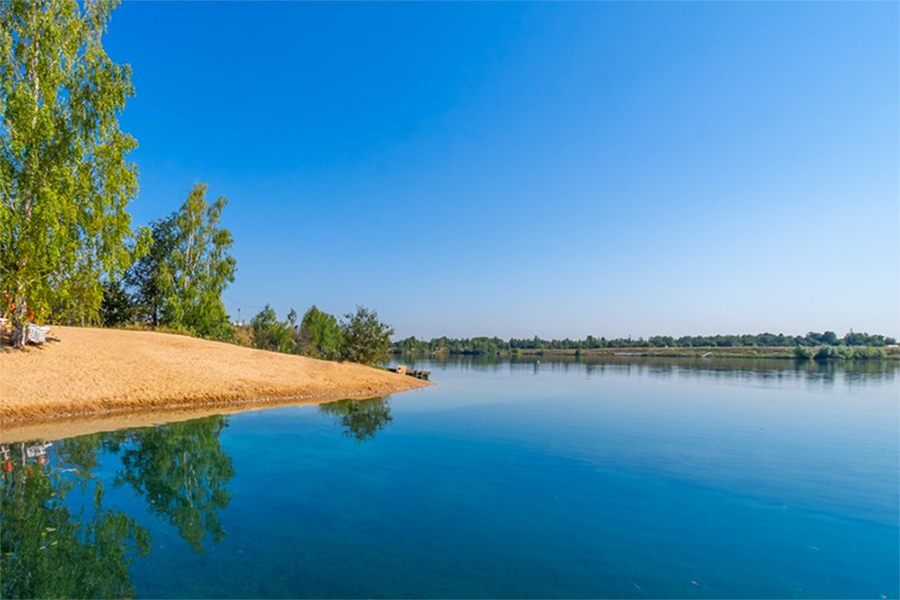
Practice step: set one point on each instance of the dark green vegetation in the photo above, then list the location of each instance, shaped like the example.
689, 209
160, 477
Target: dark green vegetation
765, 345
360, 337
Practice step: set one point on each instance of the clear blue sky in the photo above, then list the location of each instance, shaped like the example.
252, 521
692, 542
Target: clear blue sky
532, 169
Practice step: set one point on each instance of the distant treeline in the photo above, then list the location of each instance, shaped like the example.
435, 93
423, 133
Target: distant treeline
495, 345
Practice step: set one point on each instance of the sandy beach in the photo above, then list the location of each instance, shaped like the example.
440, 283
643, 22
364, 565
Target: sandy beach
137, 377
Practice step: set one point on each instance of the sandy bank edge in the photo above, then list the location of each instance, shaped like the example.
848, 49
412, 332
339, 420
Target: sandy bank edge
90, 373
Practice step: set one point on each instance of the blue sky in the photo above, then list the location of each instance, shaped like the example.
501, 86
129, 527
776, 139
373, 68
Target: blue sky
532, 169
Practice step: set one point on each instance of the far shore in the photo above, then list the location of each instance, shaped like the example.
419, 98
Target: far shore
84, 380
776, 352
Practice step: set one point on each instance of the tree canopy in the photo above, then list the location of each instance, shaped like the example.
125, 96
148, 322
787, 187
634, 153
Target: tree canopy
179, 282
366, 340
360, 337
268, 333
64, 178
320, 335
486, 345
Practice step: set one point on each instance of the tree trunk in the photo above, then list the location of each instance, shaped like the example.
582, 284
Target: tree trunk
20, 323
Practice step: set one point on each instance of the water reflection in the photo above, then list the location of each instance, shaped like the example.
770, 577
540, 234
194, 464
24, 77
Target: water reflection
739, 370
360, 419
181, 470
52, 551
560, 483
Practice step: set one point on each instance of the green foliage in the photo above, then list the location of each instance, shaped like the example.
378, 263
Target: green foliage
320, 335
149, 274
869, 353
64, 178
268, 333
366, 340
804, 352
484, 345
843, 352
179, 282
825, 353
360, 338
199, 267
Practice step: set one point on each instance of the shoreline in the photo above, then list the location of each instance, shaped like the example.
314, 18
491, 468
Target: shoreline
70, 425
742, 352
81, 374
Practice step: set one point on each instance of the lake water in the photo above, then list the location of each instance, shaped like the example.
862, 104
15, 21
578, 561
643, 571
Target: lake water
641, 479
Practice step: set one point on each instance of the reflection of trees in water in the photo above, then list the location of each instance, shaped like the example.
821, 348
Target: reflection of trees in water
181, 471
49, 551
852, 372
360, 419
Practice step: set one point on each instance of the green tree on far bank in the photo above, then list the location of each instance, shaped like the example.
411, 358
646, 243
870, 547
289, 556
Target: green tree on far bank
64, 178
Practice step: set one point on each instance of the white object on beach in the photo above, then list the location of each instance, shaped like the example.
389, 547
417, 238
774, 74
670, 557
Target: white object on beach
37, 334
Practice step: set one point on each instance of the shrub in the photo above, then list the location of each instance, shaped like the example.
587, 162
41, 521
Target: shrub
824, 353
366, 340
320, 335
804, 352
869, 353
843, 352
268, 333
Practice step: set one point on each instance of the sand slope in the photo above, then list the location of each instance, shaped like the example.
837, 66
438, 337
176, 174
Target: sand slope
103, 371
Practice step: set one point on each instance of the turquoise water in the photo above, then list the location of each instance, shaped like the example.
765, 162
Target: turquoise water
646, 479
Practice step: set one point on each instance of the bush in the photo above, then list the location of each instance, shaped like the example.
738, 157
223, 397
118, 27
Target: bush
268, 333
824, 353
320, 335
366, 340
804, 352
870, 353
843, 352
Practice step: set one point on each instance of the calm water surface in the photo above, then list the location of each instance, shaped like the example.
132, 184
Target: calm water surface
651, 479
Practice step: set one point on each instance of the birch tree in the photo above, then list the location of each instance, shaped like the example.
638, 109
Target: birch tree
64, 178
180, 281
